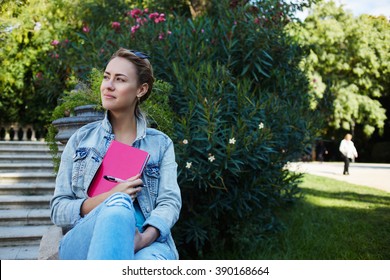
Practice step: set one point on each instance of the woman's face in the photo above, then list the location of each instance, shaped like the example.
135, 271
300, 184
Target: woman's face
119, 88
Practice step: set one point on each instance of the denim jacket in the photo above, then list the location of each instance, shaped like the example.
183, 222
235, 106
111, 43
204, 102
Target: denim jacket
159, 200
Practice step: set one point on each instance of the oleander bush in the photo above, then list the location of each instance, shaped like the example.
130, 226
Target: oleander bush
238, 110
242, 113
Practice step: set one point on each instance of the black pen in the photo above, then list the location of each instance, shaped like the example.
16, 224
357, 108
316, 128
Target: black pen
113, 179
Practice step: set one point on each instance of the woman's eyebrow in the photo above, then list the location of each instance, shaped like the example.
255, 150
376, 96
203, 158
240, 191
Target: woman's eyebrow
118, 74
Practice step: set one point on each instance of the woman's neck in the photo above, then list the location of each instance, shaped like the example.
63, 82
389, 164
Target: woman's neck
124, 127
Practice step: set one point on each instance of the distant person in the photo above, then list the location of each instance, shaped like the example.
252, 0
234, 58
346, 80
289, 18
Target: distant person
348, 152
321, 151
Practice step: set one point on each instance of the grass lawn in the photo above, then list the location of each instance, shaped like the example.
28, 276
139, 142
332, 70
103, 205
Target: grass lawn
334, 220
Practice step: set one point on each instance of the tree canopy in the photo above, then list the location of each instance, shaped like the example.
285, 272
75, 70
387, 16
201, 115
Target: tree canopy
348, 64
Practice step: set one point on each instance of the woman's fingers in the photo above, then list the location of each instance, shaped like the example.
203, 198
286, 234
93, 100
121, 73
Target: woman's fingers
134, 178
133, 183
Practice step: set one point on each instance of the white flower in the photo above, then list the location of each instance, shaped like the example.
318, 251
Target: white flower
232, 141
211, 158
261, 125
188, 165
185, 141
37, 26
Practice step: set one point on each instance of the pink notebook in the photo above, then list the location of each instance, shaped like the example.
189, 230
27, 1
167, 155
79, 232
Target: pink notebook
121, 161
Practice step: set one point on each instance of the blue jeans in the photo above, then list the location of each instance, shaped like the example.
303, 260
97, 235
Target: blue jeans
107, 233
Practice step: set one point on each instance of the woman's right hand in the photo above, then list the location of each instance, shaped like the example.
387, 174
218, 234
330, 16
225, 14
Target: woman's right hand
131, 187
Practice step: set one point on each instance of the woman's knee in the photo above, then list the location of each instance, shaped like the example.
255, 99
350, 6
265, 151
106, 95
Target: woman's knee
118, 206
119, 199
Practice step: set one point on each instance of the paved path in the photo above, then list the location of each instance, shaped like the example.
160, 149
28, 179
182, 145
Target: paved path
376, 175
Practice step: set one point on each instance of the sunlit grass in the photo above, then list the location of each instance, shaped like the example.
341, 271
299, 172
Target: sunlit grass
333, 220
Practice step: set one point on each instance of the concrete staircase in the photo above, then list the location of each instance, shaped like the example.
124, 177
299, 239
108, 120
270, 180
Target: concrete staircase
27, 182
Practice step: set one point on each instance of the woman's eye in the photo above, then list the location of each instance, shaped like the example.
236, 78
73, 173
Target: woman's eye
120, 79
105, 77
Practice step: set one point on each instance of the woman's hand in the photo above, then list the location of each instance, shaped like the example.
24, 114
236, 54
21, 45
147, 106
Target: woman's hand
142, 240
131, 187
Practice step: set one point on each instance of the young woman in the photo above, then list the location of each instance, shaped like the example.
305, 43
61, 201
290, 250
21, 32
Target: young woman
129, 221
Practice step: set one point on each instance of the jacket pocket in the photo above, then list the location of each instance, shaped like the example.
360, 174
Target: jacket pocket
85, 160
152, 177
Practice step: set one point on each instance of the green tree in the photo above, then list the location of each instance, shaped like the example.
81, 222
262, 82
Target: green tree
33, 75
348, 65
28, 31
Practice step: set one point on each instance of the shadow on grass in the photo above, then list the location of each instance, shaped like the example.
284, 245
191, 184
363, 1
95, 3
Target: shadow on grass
316, 232
349, 196
332, 221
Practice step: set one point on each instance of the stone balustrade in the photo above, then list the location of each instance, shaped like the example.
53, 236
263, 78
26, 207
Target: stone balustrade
17, 132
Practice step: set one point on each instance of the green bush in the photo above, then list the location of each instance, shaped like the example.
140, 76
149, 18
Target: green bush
242, 113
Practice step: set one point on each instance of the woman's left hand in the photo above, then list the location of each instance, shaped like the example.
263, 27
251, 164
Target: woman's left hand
142, 240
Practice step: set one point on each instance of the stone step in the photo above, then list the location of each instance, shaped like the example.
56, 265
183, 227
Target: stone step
23, 252
25, 217
26, 167
23, 158
23, 144
27, 188
28, 177
26, 148
27, 182
14, 150
24, 201
21, 235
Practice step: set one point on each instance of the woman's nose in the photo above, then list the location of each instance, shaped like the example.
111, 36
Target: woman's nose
108, 84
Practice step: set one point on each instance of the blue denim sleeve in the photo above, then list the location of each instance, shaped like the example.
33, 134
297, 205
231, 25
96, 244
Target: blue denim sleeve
168, 203
64, 205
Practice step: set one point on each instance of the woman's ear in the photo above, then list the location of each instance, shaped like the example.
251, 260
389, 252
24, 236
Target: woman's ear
143, 89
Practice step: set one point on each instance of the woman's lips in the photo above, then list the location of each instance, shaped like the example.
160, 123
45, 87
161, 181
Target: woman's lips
109, 96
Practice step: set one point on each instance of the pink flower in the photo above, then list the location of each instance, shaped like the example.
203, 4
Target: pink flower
257, 21
146, 10
161, 36
86, 28
135, 28
135, 13
54, 42
169, 32
153, 15
157, 17
161, 18
39, 75
202, 30
141, 21
116, 25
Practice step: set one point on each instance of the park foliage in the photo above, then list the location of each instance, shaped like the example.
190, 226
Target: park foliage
231, 93
239, 108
